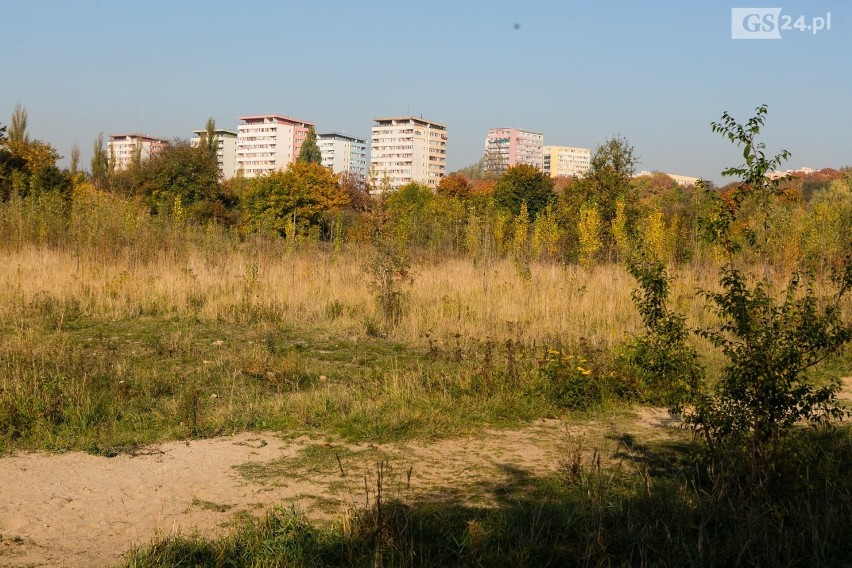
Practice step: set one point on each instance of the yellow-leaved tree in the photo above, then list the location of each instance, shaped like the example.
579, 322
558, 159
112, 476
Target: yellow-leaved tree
305, 192
589, 233
546, 234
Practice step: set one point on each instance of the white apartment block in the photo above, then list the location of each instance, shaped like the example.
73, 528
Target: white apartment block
566, 161
269, 143
226, 150
507, 147
683, 181
342, 153
408, 149
123, 148
777, 174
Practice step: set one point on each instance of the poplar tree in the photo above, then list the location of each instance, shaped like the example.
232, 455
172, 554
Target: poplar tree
18, 128
99, 163
75, 159
310, 152
209, 140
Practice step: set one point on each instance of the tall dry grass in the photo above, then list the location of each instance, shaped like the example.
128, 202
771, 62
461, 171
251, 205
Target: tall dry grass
241, 283
103, 257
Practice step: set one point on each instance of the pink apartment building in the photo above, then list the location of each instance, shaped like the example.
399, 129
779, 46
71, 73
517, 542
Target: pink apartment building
268, 143
507, 147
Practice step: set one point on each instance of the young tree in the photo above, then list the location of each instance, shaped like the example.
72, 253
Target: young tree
589, 232
546, 234
770, 341
310, 152
521, 243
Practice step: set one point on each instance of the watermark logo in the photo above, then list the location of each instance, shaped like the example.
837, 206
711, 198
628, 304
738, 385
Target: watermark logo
771, 23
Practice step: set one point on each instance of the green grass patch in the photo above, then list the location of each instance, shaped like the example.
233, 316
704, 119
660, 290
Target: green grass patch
112, 386
210, 505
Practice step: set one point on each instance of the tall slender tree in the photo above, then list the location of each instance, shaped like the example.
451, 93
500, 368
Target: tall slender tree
99, 162
18, 128
209, 140
310, 152
75, 159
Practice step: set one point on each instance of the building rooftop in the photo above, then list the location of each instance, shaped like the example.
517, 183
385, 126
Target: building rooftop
139, 137
339, 136
517, 129
276, 117
419, 119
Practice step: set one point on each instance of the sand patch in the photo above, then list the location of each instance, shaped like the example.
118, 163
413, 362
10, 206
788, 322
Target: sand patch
845, 389
76, 509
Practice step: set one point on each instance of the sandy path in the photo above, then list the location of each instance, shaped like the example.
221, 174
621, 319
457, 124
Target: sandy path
77, 509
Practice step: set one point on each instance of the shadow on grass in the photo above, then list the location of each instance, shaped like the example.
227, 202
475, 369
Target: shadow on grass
662, 515
657, 458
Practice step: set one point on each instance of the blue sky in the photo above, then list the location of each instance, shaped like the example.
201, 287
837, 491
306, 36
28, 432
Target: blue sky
655, 72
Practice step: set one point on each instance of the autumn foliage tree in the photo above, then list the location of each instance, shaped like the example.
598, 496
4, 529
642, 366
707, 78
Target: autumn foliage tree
28, 166
356, 190
304, 191
454, 185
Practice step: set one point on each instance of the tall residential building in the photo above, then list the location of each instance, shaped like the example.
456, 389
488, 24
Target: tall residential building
566, 161
507, 147
407, 149
343, 153
226, 150
269, 143
123, 148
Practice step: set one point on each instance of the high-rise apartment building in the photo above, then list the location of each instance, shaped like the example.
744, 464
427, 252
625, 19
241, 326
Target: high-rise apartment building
566, 161
507, 147
226, 150
122, 149
342, 153
269, 143
407, 149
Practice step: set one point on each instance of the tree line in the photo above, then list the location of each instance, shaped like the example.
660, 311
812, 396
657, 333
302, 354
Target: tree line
522, 214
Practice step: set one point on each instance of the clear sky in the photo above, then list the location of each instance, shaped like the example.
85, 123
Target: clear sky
656, 72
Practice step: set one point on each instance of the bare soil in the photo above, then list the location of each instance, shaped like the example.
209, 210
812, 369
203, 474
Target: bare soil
76, 509
845, 389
